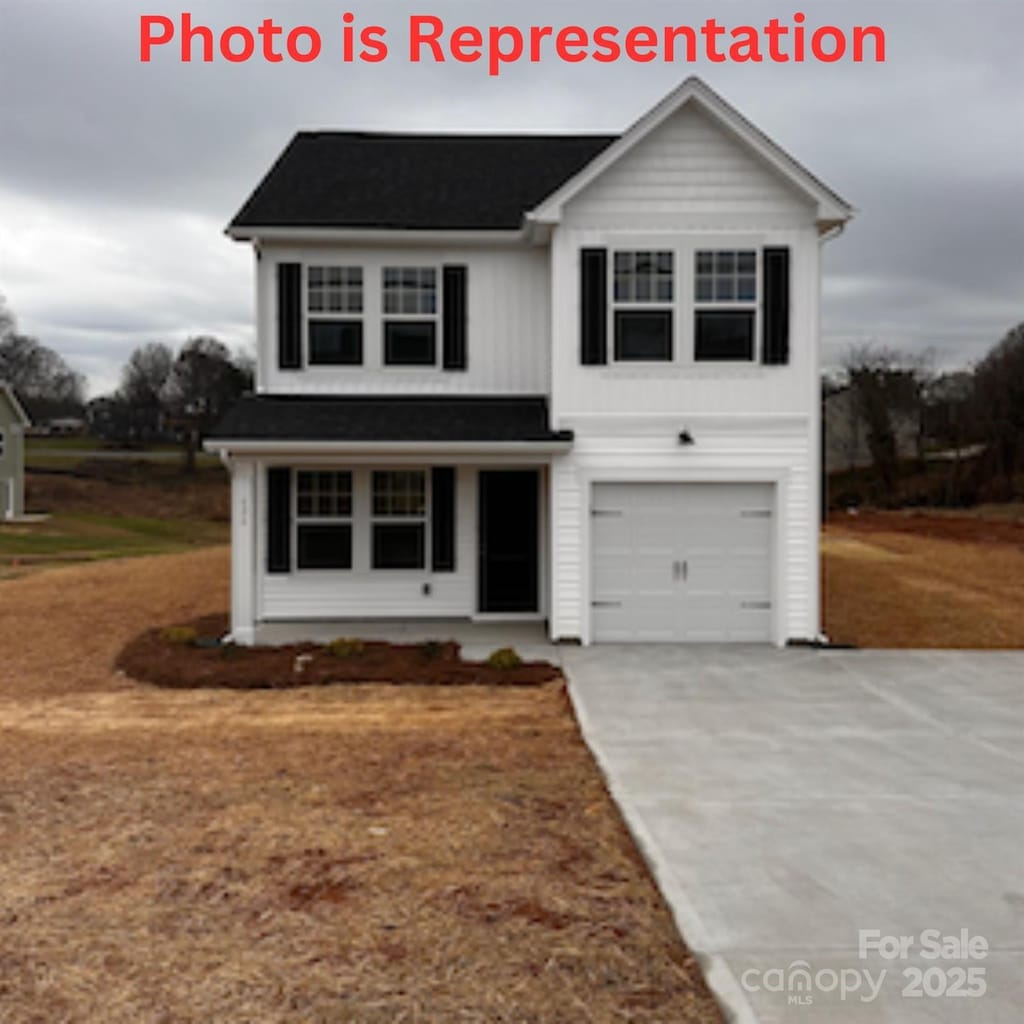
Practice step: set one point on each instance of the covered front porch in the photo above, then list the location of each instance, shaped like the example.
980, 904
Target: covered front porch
448, 525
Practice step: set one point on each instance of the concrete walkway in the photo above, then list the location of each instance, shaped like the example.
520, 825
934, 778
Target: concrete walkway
788, 799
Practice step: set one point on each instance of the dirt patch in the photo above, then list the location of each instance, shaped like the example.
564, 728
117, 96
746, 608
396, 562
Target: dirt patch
153, 657
924, 581
970, 529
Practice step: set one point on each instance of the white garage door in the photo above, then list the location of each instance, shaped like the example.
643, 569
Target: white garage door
682, 562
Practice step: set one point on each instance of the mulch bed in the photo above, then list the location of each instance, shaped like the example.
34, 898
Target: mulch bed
152, 657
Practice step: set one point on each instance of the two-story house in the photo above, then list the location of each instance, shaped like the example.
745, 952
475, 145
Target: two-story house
570, 378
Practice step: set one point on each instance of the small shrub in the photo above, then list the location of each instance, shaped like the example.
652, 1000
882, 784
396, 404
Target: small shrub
504, 657
431, 650
345, 647
186, 636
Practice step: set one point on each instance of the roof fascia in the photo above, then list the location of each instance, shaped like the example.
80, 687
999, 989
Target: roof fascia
389, 236
268, 447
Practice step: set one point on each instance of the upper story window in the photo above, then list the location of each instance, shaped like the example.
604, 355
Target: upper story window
399, 519
323, 519
409, 297
643, 296
334, 302
725, 304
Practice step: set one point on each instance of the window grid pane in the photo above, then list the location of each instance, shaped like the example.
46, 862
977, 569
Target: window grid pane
399, 493
335, 289
410, 290
725, 275
323, 495
643, 276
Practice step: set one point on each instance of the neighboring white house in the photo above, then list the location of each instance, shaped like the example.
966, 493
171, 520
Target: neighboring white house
13, 422
570, 378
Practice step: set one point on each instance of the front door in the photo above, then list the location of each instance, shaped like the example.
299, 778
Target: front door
508, 540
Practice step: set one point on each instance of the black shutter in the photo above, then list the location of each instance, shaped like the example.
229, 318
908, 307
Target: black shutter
289, 316
279, 514
593, 306
454, 326
442, 519
775, 312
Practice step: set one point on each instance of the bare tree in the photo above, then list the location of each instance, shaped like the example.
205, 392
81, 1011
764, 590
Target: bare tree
46, 385
886, 386
999, 406
144, 380
205, 381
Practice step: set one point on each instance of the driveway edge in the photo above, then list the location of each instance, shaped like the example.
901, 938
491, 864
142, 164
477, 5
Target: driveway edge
717, 973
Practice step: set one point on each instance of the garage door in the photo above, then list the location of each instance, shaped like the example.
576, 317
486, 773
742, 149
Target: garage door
682, 562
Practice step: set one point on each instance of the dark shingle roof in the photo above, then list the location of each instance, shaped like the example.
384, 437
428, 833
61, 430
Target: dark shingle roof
388, 418
360, 180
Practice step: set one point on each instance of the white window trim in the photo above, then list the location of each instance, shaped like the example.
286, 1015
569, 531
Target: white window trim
336, 316
376, 519
684, 249
319, 520
435, 317
737, 305
362, 521
637, 305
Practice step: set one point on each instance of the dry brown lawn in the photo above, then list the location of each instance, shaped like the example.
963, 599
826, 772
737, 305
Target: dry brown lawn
365, 854
924, 580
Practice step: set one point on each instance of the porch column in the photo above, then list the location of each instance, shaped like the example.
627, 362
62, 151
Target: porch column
244, 517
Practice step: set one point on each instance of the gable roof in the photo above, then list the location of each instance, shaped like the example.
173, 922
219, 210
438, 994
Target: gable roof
6, 391
832, 208
370, 181
413, 182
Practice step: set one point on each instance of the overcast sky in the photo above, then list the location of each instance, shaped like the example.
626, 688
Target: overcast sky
117, 178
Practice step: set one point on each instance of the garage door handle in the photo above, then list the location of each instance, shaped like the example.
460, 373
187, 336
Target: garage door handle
680, 570
605, 604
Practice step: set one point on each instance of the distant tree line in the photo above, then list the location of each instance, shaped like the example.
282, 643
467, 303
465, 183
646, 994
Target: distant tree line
46, 386
970, 423
163, 396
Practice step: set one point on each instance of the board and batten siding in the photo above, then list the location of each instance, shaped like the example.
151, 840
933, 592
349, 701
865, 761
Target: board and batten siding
508, 322
688, 185
364, 593
773, 450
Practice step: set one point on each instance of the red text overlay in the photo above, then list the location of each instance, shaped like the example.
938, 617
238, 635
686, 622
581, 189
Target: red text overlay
428, 38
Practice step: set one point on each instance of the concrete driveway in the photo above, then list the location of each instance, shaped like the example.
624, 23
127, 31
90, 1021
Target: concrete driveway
788, 800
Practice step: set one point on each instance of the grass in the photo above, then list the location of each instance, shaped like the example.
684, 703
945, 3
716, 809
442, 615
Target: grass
373, 854
84, 536
70, 453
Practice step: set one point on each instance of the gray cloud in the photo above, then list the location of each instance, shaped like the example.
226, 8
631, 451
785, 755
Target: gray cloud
116, 178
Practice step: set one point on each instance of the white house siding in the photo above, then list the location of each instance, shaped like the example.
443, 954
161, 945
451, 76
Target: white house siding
776, 450
688, 166
689, 185
359, 592
509, 322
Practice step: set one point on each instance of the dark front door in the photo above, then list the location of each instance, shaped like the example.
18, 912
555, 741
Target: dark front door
508, 540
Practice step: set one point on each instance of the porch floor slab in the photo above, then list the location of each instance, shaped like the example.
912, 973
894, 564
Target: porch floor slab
478, 639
